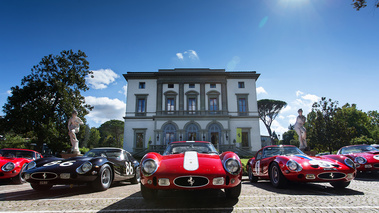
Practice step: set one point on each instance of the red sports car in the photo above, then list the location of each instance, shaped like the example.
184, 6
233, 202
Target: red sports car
366, 157
14, 161
283, 163
190, 166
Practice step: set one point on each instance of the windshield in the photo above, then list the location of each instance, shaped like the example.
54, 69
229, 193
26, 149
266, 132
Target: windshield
358, 149
108, 153
273, 151
176, 148
17, 154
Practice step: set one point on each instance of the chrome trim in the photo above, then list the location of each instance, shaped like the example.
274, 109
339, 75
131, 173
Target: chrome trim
44, 174
190, 177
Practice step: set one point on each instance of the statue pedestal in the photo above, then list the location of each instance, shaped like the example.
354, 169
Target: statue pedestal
70, 155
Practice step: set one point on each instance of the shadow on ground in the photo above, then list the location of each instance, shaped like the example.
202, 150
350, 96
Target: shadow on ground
321, 189
177, 201
59, 191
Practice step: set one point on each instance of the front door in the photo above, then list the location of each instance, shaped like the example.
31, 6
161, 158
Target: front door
214, 138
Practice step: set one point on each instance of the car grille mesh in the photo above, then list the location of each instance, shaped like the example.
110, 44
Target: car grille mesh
331, 175
44, 176
191, 181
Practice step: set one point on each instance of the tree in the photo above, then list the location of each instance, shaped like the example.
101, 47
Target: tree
46, 98
94, 138
112, 132
359, 4
268, 110
325, 130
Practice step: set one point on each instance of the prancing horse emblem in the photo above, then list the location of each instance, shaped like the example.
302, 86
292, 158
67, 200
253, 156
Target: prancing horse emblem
44, 175
191, 181
331, 175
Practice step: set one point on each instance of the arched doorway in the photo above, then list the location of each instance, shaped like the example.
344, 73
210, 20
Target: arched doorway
169, 133
192, 132
214, 134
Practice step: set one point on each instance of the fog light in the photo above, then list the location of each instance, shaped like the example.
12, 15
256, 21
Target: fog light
65, 176
149, 181
368, 166
94, 173
164, 182
350, 176
218, 181
310, 176
26, 176
232, 181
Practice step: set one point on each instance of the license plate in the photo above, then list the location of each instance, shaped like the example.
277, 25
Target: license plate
43, 182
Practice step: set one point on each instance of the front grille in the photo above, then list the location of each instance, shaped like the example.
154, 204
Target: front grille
191, 181
44, 176
331, 175
376, 165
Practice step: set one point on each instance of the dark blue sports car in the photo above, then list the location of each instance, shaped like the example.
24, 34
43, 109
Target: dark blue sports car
99, 167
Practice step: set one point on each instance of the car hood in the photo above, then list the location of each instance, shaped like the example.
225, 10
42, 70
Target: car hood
314, 160
62, 165
4, 160
191, 162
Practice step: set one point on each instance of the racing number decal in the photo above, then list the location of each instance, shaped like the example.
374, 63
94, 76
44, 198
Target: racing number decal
129, 168
67, 163
257, 165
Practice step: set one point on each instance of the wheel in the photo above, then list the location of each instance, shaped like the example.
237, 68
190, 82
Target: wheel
252, 178
233, 192
38, 187
277, 178
340, 184
104, 178
148, 194
19, 179
137, 178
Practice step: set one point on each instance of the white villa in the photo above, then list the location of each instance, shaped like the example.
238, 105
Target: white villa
192, 104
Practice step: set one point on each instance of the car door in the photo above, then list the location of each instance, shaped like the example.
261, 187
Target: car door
257, 171
265, 163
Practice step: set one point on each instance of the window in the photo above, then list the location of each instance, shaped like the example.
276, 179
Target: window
170, 105
170, 85
242, 106
241, 84
192, 132
213, 85
245, 138
139, 140
141, 85
191, 105
169, 133
213, 104
141, 105
191, 85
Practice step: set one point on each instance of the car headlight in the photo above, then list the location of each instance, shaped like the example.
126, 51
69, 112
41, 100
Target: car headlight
232, 166
294, 166
149, 166
85, 167
360, 160
31, 165
350, 163
8, 167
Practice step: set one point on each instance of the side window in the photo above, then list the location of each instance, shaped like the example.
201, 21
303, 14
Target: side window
259, 155
126, 157
141, 85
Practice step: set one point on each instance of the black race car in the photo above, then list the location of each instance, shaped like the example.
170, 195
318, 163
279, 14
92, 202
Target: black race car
99, 167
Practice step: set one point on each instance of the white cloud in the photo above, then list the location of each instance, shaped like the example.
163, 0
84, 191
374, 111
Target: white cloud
124, 90
179, 55
298, 93
9, 92
189, 54
312, 98
261, 90
100, 79
233, 63
105, 109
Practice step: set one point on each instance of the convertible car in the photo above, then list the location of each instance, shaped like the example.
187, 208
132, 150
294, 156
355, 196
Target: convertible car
190, 166
99, 167
366, 157
14, 161
283, 163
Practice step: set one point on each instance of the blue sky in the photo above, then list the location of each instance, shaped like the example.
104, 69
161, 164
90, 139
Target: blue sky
303, 49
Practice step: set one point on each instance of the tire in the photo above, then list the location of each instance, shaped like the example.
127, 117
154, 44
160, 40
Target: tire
38, 187
340, 184
137, 178
252, 178
277, 178
234, 192
19, 179
148, 194
104, 178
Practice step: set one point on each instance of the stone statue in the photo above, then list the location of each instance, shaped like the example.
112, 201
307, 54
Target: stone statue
73, 128
300, 130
